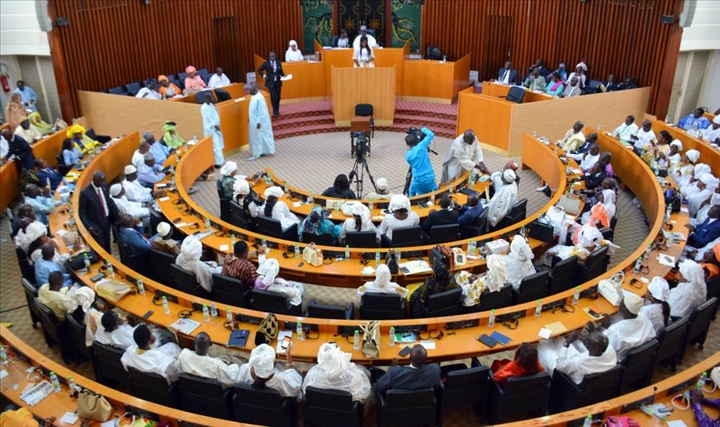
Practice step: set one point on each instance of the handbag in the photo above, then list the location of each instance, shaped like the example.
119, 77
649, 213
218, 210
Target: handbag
130, 420
371, 339
539, 231
77, 262
269, 327
94, 406
442, 253
621, 421
392, 262
312, 255
611, 289
112, 290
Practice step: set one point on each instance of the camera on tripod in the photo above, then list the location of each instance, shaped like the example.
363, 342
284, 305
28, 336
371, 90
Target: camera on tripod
360, 141
413, 136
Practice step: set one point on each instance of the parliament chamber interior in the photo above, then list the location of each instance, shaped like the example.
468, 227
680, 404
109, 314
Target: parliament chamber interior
360, 213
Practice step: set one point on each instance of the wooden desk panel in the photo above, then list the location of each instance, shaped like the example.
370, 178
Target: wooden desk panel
352, 86
488, 116
307, 84
343, 58
499, 89
429, 79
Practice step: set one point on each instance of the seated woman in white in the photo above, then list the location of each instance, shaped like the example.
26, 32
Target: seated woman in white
683, 170
143, 357
278, 209
364, 56
268, 280
359, 222
261, 372
334, 370
402, 216
189, 259
382, 284
293, 54
474, 287
589, 238
577, 356
657, 309
705, 188
690, 293
519, 261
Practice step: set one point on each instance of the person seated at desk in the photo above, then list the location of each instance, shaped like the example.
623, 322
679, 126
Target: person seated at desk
201, 364
47, 264
160, 151
629, 83
382, 190
630, 332
244, 196
47, 176
54, 296
402, 216
657, 310
13, 416
444, 216
130, 233
525, 363
595, 176
697, 399
342, 41
24, 212
625, 131
316, 224
383, 284
572, 88
465, 154
219, 79
470, 212
690, 291
660, 154
644, 138
170, 136
135, 209
590, 158
340, 189
278, 209
363, 56
148, 172
71, 155
149, 92
30, 230
535, 81
439, 282
589, 239
143, 357
268, 280
580, 70
27, 132
238, 266
163, 241
117, 332
293, 54
360, 222
519, 261
167, 88
227, 183
504, 198
706, 231
335, 371
261, 372
189, 259
474, 287
711, 133
79, 137
15, 111
193, 82
673, 157
695, 121
555, 86
507, 75
610, 85
573, 139
41, 203
372, 43
704, 188
134, 191
578, 153
418, 375
577, 355
540, 66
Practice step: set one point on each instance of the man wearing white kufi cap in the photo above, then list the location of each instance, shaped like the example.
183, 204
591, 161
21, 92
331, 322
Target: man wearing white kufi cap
631, 332
189, 259
658, 311
335, 371
261, 372
689, 293
134, 191
228, 172
278, 209
711, 133
383, 190
163, 240
125, 206
504, 198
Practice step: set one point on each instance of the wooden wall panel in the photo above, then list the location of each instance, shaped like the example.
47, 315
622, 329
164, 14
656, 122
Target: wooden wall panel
624, 37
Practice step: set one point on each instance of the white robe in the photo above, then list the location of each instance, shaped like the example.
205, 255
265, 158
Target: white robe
261, 140
460, 157
135, 209
371, 42
218, 81
207, 366
696, 198
628, 334
138, 159
288, 382
653, 312
349, 226
282, 213
293, 292
203, 272
645, 139
574, 360
501, 203
355, 380
624, 131
685, 297
121, 337
161, 361
518, 269
294, 55
135, 192
211, 119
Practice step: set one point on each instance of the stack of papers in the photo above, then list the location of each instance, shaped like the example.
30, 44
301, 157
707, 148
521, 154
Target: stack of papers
36, 394
185, 326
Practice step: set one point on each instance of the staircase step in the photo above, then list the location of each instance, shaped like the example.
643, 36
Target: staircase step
284, 122
438, 121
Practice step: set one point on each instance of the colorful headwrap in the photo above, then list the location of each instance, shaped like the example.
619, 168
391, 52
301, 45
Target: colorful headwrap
190, 69
75, 128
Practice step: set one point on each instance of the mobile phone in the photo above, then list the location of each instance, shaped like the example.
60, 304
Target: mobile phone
148, 314
405, 351
286, 343
594, 313
97, 277
176, 220
301, 264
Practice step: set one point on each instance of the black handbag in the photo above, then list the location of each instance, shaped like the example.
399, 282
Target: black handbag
392, 262
442, 253
539, 231
77, 262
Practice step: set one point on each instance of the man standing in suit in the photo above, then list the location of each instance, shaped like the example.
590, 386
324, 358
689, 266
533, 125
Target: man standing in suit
19, 148
416, 376
272, 69
97, 210
507, 75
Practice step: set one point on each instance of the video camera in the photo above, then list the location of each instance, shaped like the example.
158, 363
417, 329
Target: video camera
413, 136
361, 142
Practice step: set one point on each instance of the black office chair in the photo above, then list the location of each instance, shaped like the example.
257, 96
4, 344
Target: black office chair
367, 110
480, 227
224, 204
516, 214
160, 267
200, 96
407, 236
494, 300
567, 395
140, 262
76, 332
562, 275
374, 306
608, 233
238, 217
133, 88
331, 407
321, 239
55, 331
271, 227
516, 94
638, 366
528, 394
154, 387
273, 302
406, 407
532, 288
118, 90
264, 406
466, 387
361, 239
671, 341
699, 323
205, 396
595, 265
27, 270
63, 169
713, 288
90, 133
443, 233
109, 369
147, 82
203, 72
447, 303
232, 291
180, 83
30, 295
324, 311
185, 281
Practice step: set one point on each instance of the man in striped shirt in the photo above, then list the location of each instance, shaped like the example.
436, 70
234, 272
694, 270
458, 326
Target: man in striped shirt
238, 266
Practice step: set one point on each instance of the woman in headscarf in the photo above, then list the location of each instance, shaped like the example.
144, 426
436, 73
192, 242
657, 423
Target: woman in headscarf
359, 222
268, 280
261, 372
28, 234
589, 238
690, 292
171, 138
474, 287
278, 209
167, 88
608, 197
335, 371
710, 261
402, 216
439, 282
525, 363
317, 224
193, 81
705, 188
245, 197
503, 199
228, 172
683, 170
82, 142
689, 184
597, 217
580, 70
293, 54
189, 259
658, 310
704, 210
383, 284
15, 112
519, 261
39, 125
674, 157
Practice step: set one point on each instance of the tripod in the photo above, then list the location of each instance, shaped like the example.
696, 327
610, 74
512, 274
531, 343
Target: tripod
358, 173
408, 181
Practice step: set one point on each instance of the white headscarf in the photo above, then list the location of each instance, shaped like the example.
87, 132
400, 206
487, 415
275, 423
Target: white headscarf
228, 168
381, 184
262, 359
709, 180
382, 277
398, 202
191, 248
701, 169
520, 249
164, 229
582, 66
333, 361
115, 189
693, 155
659, 288
509, 176
590, 236
81, 297
269, 270
632, 302
240, 188
693, 273
609, 202
496, 272
33, 231
292, 43
677, 143
274, 191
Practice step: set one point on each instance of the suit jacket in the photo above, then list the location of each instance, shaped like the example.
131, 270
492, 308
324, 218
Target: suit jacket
609, 87
469, 215
22, 150
408, 378
49, 175
441, 217
273, 77
91, 212
133, 240
704, 233
513, 76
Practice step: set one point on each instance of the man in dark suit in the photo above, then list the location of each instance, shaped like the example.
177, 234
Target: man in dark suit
706, 231
130, 234
471, 211
19, 148
97, 210
271, 70
416, 376
507, 75
611, 84
446, 215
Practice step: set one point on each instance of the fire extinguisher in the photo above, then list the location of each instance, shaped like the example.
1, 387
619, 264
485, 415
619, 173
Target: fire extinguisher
4, 78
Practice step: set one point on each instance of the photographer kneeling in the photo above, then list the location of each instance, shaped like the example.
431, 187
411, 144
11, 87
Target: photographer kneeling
418, 158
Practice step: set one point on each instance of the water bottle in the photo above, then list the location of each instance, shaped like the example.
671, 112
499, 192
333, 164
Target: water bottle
576, 295
701, 381
432, 198
646, 255
356, 340
285, 187
140, 286
588, 421
347, 252
264, 245
55, 382
472, 246
451, 189
299, 331
491, 319
233, 240
399, 254
3, 355
194, 139
371, 207
71, 384
310, 199
228, 315
638, 264
534, 133
668, 212
111, 270
206, 313
87, 263
166, 307
207, 223
538, 309
392, 336
471, 178
377, 258
213, 311
297, 250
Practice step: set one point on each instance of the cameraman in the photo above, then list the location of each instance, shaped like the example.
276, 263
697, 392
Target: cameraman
418, 158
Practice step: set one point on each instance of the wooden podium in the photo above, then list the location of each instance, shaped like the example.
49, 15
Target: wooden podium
352, 86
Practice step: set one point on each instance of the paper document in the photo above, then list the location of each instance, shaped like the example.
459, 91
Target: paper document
224, 248
69, 418
545, 333
286, 78
666, 260
367, 271
37, 393
556, 327
428, 344
415, 267
185, 326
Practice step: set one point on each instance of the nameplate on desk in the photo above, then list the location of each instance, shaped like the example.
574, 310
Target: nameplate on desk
589, 291
292, 326
637, 404
682, 386
163, 199
410, 328
553, 305
510, 316
462, 324
249, 319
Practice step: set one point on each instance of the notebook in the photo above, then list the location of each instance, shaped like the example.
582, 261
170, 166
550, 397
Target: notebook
185, 326
238, 338
502, 339
570, 205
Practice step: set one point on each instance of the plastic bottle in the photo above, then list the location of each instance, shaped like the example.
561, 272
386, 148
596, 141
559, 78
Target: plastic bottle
432, 198
207, 223
3, 355
87, 263
534, 133
646, 255
233, 240
588, 421
140, 286
701, 380
71, 384
576, 295
228, 315
638, 264
451, 189
297, 250
55, 382
399, 254
491, 319
371, 207
285, 187
471, 178
213, 311
392, 336
377, 257
310, 199
166, 307
668, 212
472, 247
299, 331
264, 245
347, 252
356, 340
111, 270
206, 313
538, 309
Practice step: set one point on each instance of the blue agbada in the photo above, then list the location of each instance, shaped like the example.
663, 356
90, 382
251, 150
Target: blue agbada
419, 160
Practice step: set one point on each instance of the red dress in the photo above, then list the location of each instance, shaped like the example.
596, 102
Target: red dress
504, 369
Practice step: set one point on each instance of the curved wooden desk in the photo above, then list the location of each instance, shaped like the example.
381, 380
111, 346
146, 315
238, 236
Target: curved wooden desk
708, 155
